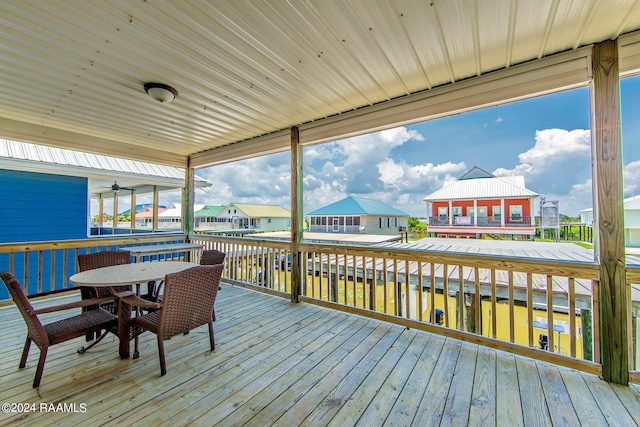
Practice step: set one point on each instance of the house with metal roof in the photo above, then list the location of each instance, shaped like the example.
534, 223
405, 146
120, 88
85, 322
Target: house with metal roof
358, 215
631, 220
255, 217
206, 218
480, 203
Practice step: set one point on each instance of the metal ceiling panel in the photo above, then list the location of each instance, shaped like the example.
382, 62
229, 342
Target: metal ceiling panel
72, 73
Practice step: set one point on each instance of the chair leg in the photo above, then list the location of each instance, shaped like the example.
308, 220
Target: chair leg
211, 340
163, 365
40, 368
25, 353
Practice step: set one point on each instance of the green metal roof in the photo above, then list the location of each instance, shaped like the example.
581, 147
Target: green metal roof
209, 210
358, 206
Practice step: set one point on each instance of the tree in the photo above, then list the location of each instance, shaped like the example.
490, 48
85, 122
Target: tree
416, 226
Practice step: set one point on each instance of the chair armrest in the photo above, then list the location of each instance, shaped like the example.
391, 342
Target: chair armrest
77, 304
136, 301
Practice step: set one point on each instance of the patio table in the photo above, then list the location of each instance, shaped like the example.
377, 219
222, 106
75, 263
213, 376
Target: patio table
140, 252
127, 274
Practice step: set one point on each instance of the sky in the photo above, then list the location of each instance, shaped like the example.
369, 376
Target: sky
544, 139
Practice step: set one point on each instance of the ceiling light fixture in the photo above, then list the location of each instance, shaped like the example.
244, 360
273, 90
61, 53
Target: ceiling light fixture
160, 92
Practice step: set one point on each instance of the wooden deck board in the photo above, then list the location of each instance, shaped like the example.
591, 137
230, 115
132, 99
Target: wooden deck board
279, 363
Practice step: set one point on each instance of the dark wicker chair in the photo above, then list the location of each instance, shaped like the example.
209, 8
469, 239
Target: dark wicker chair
209, 257
187, 303
213, 257
90, 321
99, 260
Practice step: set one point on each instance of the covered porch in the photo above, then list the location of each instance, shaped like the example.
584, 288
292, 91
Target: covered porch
280, 363
256, 78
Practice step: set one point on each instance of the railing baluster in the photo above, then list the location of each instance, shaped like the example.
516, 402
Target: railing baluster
512, 317
52, 273
494, 317
373, 286
40, 268
407, 291
445, 292
420, 295
478, 298
530, 309
432, 292
397, 296
550, 313
461, 301
572, 316
385, 279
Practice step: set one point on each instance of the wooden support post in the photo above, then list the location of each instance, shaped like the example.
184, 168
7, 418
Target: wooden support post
470, 313
188, 199
587, 334
296, 214
608, 213
333, 287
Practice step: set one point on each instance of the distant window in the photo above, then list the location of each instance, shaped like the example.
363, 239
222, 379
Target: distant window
457, 211
497, 211
381, 222
356, 220
515, 211
443, 211
349, 220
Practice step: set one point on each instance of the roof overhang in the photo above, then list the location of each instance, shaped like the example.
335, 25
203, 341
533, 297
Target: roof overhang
246, 72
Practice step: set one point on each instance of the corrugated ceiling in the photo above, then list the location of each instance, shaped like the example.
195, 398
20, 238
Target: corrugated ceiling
71, 73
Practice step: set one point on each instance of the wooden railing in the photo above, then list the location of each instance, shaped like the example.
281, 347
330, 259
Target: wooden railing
44, 267
499, 302
495, 301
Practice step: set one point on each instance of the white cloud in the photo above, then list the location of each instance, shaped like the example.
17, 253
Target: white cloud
632, 179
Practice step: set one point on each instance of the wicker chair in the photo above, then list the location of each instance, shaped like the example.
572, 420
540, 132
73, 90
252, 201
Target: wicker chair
99, 260
209, 257
212, 257
63, 330
187, 303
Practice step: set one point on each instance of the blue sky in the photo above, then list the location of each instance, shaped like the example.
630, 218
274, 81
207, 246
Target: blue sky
545, 139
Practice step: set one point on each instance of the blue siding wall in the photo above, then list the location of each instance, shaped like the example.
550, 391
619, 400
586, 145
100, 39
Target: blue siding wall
39, 207
36, 207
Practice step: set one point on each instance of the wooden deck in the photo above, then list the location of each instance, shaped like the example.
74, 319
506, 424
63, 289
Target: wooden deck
279, 363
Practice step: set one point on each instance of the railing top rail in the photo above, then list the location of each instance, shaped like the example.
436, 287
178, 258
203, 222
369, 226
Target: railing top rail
94, 241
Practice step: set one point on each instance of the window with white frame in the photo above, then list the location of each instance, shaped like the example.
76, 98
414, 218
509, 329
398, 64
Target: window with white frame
515, 212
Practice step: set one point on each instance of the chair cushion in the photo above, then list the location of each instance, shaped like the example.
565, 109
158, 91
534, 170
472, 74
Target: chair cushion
77, 326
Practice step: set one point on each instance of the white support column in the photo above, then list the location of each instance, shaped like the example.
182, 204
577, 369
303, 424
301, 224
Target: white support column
532, 217
475, 213
450, 212
502, 213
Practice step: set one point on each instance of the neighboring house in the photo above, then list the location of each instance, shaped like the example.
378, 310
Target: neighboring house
479, 203
631, 220
255, 217
207, 217
144, 218
172, 218
358, 215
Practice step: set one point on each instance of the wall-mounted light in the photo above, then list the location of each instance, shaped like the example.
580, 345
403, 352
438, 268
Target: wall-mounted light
160, 92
